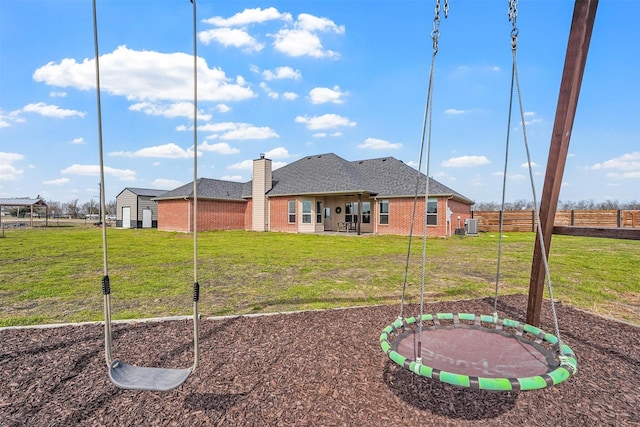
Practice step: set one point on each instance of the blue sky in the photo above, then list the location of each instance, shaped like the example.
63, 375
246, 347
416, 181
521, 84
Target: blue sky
296, 78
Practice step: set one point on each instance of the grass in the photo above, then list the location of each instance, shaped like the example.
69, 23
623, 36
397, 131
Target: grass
50, 275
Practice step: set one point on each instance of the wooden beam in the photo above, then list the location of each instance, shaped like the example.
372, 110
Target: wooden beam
584, 14
606, 232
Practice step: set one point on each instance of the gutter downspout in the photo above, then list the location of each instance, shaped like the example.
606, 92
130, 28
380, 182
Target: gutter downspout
449, 234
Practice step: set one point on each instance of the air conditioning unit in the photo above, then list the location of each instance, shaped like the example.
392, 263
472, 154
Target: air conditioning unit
472, 226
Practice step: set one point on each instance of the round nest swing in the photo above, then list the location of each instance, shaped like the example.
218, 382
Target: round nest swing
468, 350
480, 352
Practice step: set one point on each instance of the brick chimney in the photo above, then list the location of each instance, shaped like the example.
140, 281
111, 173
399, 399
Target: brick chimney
262, 182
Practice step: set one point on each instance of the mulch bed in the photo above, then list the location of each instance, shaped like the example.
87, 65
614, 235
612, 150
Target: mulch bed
321, 368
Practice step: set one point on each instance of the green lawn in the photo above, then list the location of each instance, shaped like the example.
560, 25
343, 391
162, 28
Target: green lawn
50, 275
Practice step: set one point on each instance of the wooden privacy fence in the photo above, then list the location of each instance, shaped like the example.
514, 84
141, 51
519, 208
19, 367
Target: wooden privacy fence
525, 220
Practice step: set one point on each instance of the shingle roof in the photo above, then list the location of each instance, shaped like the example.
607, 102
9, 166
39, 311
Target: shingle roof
326, 174
145, 191
319, 174
392, 177
208, 189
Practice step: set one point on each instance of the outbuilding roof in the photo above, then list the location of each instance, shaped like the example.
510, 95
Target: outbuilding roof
144, 191
22, 201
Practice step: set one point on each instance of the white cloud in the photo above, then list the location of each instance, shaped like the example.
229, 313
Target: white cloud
453, 111
166, 151
220, 148
624, 175
278, 165
626, 166
233, 37
312, 23
249, 16
303, 40
301, 43
218, 127
322, 95
326, 135
237, 178
289, 96
146, 76
465, 161
8, 171
250, 132
59, 181
379, 144
282, 73
178, 109
51, 111
79, 140
223, 108
268, 91
248, 165
412, 164
299, 38
58, 94
243, 165
278, 153
238, 131
7, 119
94, 170
326, 121
169, 184
530, 118
526, 165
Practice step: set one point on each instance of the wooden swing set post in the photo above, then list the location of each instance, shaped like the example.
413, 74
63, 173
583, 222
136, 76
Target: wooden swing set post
584, 14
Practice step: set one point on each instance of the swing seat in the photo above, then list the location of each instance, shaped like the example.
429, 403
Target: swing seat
131, 377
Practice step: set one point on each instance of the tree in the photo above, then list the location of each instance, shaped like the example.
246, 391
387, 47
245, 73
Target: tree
110, 207
71, 208
55, 209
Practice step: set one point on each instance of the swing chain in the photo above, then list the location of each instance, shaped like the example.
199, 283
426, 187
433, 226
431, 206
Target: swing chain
513, 14
435, 33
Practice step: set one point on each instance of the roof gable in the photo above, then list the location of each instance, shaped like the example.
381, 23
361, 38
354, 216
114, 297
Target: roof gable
319, 174
392, 177
150, 192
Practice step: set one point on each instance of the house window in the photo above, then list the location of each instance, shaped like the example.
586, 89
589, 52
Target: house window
351, 212
306, 211
432, 212
319, 212
292, 211
366, 212
384, 212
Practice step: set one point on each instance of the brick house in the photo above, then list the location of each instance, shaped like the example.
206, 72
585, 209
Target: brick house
317, 194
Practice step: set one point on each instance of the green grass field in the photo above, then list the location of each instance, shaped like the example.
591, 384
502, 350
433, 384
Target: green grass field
51, 275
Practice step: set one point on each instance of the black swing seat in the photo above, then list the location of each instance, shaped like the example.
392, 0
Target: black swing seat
131, 377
